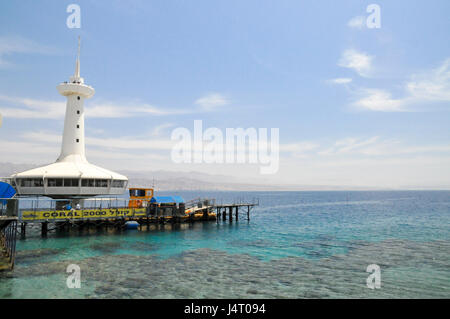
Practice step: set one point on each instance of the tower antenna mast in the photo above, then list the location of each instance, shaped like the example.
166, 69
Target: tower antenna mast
77, 76
79, 46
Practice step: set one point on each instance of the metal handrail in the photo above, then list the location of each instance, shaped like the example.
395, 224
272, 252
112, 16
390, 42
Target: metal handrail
8, 237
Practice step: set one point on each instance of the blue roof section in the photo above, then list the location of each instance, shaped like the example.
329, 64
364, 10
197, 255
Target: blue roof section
178, 199
167, 199
6, 191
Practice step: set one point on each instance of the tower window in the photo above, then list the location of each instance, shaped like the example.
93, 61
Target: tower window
78, 140
78, 97
78, 112
78, 126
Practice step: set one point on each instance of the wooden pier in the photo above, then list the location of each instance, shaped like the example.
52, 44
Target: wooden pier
221, 210
192, 211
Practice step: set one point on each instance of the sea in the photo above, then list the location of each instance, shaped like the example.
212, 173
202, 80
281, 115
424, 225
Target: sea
308, 244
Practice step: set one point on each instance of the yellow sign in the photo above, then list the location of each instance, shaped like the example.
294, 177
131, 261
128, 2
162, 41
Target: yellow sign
83, 214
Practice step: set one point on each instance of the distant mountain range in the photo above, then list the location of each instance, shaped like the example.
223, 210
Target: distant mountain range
162, 180
6, 169
170, 180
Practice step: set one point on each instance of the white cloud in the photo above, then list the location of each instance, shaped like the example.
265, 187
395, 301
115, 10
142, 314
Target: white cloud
378, 100
357, 22
395, 147
47, 152
31, 108
23, 107
20, 107
375, 146
358, 61
341, 80
299, 147
370, 162
131, 143
97, 109
157, 130
125, 143
211, 101
426, 87
12, 45
431, 85
348, 145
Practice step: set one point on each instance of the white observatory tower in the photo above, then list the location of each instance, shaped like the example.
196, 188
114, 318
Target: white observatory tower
73, 147
71, 176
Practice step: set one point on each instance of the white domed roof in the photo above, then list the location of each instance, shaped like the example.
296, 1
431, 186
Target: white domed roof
70, 170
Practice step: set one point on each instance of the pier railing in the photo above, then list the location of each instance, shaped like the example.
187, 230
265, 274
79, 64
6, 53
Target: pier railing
237, 202
200, 202
13, 206
8, 237
39, 210
8, 232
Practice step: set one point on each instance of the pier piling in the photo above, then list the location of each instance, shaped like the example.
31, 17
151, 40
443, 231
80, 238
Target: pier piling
44, 229
23, 227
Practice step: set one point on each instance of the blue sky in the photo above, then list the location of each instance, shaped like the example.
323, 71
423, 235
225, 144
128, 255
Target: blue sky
355, 106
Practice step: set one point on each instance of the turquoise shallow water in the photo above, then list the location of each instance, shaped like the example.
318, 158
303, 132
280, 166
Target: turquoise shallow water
297, 245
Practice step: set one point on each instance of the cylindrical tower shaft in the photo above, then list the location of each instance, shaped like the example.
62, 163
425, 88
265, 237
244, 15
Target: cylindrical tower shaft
73, 136
73, 144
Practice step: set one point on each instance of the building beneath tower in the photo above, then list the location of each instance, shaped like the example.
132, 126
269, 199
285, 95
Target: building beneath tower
71, 176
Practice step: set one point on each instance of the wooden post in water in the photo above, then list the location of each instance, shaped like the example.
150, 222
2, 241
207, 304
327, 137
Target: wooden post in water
248, 212
224, 214
23, 227
230, 213
44, 229
237, 212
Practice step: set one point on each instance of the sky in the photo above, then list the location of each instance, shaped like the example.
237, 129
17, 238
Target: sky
355, 105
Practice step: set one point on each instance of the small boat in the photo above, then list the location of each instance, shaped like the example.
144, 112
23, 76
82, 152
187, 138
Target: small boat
131, 225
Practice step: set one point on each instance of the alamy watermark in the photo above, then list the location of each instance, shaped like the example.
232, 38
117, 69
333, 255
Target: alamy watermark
74, 19
236, 146
74, 279
372, 21
374, 279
